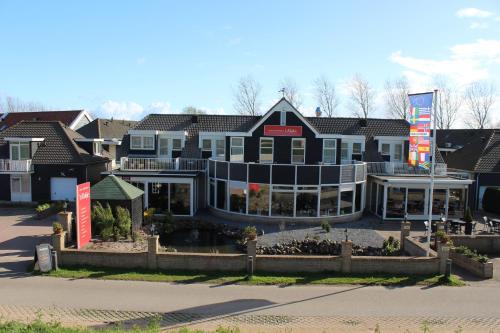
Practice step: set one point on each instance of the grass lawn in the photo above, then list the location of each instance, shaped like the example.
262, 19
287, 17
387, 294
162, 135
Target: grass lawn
38, 326
257, 279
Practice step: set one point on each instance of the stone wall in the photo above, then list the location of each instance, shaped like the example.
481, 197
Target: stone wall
155, 259
483, 244
414, 248
483, 270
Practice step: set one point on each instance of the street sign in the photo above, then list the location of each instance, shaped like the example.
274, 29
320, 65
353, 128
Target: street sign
44, 257
83, 228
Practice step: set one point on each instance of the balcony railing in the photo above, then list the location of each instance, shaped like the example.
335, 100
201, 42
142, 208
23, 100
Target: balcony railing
12, 166
162, 164
402, 169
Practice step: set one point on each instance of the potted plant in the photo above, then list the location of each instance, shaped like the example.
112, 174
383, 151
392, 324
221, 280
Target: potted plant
468, 222
57, 227
250, 233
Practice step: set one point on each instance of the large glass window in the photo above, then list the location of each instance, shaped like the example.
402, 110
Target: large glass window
396, 198
298, 150
135, 142
346, 203
307, 204
148, 142
282, 204
258, 199
456, 202
220, 149
158, 196
266, 150
328, 205
416, 201
221, 195
180, 199
329, 151
237, 197
19, 150
237, 150
380, 202
438, 202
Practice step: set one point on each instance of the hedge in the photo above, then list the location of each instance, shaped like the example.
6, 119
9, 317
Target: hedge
491, 200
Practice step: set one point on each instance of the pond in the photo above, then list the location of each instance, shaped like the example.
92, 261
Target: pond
201, 241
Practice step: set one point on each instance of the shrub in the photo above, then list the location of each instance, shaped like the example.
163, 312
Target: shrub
325, 226
250, 232
103, 220
57, 227
468, 215
471, 254
491, 198
390, 246
167, 225
42, 208
123, 221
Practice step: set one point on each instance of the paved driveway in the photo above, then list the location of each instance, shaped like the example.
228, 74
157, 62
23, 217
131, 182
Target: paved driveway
19, 233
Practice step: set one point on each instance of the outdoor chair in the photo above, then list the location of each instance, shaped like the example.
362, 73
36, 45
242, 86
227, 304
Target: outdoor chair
491, 227
455, 228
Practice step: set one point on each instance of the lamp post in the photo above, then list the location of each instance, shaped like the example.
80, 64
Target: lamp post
346, 235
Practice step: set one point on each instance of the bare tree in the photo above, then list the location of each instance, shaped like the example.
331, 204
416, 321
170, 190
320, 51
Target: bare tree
291, 92
396, 98
326, 95
14, 104
246, 96
480, 97
362, 96
448, 104
192, 110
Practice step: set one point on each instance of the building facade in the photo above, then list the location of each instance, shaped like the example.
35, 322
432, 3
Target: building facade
278, 166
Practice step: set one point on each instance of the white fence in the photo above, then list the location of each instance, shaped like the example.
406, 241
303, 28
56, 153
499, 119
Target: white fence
15, 165
162, 164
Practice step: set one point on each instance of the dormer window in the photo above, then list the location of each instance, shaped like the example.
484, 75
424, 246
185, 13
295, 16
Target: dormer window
142, 142
19, 150
97, 148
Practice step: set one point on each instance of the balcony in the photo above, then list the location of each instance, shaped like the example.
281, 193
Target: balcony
15, 166
404, 169
162, 164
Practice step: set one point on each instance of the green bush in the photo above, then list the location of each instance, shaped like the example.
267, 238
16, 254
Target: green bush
123, 221
103, 220
42, 208
471, 254
325, 226
391, 246
250, 232
57, 227
491, 198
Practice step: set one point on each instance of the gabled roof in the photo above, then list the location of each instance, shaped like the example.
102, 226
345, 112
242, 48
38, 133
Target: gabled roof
106, 128
58, 147
369, 127
68, 118
114, 188
458, 138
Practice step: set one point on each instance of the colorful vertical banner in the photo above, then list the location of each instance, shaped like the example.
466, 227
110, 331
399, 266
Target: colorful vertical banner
83, 226
420, 130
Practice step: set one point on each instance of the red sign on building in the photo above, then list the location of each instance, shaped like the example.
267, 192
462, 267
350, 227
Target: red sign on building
83, 228
277, 130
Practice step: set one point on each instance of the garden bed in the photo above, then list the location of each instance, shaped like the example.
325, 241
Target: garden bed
472, 262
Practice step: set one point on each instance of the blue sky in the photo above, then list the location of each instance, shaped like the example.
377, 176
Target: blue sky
128, 58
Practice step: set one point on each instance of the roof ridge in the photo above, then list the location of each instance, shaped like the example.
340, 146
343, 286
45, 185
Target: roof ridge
117, 182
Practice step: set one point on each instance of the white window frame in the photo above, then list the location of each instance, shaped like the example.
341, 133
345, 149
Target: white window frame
160, 139
260, 149
23, 180
180, 144
232, 157
142, 146
203, 147
17, 146
304, 149
350, 142
334, 149
392, 148
97, 148
222, 155
213, 137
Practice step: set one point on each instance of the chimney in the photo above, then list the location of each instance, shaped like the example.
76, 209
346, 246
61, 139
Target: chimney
194, 119
362, 122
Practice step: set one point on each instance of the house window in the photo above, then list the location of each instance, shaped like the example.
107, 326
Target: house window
266, 150
237, 148
163, 147
97, 148
220, 149
298, 150
206, 145
176, 144
391, 151
398, 152
356, 151
142, 142
329, 151
19, 151
283, 118
344, 152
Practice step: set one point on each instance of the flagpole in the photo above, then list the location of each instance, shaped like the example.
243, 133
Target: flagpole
433, 159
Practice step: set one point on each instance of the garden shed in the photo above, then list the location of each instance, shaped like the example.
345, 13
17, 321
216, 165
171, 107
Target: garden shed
117, 192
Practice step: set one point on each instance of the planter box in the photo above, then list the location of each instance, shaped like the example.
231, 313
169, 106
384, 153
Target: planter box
483, 270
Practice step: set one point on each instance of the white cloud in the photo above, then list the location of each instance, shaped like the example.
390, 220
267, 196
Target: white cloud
465, 64
129, 110
478, 25
141, 60
473, 12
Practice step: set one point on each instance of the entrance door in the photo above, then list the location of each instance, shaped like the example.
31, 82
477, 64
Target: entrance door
63, 188
20, 187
